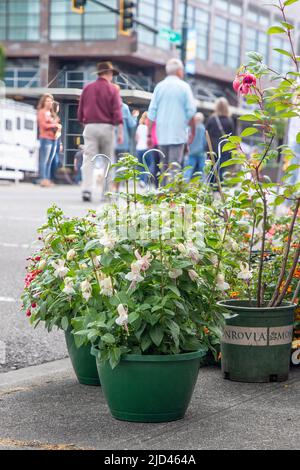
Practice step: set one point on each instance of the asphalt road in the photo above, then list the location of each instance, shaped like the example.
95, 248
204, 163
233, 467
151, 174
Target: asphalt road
22, 210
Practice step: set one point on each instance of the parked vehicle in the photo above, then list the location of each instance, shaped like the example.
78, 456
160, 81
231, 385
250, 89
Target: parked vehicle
18, 140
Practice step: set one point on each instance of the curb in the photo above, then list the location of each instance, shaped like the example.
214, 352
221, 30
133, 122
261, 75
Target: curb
60, 369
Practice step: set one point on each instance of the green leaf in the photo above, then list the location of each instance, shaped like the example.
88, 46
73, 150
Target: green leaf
286, 25
276, 30
65, 323
289, 2
229, 146
279, 200
108, 338
114, 357
248, 117
132, 317
298, 138
283, 52
174, 289
156, 334
249, 131
145, 342
91, 245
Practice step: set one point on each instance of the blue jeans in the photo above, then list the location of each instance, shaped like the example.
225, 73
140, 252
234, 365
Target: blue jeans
45, 158
197, 164
150, 162
54, 159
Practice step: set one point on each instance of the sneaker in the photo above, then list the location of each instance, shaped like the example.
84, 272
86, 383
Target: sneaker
86, 196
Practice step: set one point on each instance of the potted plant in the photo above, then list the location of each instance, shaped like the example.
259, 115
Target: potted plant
256, 343
54, 285
158, 317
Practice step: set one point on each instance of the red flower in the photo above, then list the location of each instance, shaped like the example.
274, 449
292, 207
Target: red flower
244, 83
31, 276
38, 258
28, 313
33, 305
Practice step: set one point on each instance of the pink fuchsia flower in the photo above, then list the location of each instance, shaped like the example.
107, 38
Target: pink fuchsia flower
244, 83
28, 313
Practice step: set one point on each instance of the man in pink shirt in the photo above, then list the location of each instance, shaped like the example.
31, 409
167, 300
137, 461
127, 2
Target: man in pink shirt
99, 111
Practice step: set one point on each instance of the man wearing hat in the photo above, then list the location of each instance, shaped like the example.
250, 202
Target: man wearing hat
100, 110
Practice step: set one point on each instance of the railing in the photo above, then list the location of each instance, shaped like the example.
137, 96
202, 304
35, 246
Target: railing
20, 78
77, 79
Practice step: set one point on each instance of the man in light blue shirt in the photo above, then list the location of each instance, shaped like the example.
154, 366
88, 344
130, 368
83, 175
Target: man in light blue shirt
173, 108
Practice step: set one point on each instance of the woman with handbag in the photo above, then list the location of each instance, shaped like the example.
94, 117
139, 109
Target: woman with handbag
218, 125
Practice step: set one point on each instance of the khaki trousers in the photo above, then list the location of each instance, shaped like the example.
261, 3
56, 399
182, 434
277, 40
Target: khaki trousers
98, 138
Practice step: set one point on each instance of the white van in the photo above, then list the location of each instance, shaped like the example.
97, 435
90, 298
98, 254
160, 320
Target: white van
18, 140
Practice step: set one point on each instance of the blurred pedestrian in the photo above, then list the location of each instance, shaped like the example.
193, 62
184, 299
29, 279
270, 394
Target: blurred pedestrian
141, 138
48, 127
196, 151
99, 111
78, 159
57, 148
218, 125
173, 108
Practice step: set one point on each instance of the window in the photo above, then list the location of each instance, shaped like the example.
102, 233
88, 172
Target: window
257, 41
199, 20
95, 24
8, 124
258, 16
234, 7
18, 123
29, 124
20, 20
226, 42
281, 63
158, 14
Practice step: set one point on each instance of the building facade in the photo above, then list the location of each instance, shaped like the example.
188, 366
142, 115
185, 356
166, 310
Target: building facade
48, 45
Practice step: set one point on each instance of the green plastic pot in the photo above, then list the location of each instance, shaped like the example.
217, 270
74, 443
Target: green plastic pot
150, 389
84, 364
256, 342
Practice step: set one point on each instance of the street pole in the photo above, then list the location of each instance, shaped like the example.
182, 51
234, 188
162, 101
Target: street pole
185, 27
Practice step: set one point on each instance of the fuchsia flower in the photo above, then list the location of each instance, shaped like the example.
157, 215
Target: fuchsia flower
244, 83
31, 276
28, 313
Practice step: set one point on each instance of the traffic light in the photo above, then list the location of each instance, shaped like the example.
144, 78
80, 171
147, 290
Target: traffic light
78, 6
126, 16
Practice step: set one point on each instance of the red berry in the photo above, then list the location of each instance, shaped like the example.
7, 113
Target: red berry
28, 313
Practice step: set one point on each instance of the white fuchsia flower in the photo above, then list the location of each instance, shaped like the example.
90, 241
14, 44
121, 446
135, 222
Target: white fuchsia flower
245, 274
221, 284
107, 241
144, 262
193, 275
122, 319
97, 261
71, 254
192, 252
60, 269
86, 289
175, 273
83, 266
106, 286
69, 286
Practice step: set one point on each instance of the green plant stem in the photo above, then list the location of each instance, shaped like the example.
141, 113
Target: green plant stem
212, 156
261, 263
294, 58
285, 256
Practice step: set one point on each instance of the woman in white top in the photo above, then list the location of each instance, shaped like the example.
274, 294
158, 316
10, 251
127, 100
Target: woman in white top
141, 143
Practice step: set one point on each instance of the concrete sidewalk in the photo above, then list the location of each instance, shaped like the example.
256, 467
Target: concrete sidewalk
44, 407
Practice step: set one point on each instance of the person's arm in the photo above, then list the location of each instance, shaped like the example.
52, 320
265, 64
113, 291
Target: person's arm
152, 115
80, 108
46, 124
192, 125
116, 108
190, 111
